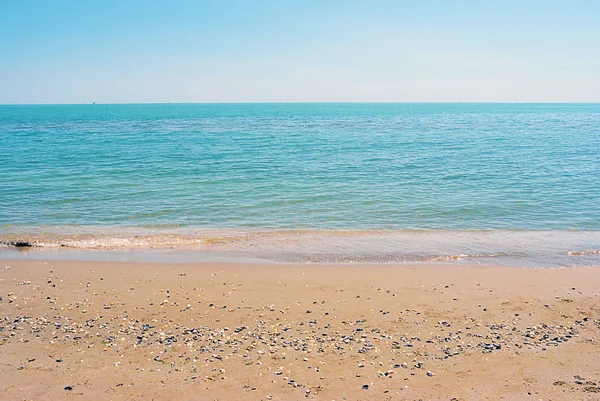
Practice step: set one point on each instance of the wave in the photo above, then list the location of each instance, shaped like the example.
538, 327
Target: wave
396, 258
520, 248
108, 242
583, 253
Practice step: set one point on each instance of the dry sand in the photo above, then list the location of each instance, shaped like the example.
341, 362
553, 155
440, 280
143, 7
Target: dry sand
108, 331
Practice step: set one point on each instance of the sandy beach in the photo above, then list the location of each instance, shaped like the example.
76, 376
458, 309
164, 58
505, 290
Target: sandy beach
100, 330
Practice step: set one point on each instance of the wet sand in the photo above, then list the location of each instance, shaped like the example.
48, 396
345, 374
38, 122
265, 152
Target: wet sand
101, 330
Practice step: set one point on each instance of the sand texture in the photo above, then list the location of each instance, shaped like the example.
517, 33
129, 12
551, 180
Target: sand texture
129, 331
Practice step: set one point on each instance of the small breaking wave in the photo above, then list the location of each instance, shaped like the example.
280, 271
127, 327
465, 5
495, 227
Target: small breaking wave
584, 253
155, 241
394, 258
472, 256
520, 248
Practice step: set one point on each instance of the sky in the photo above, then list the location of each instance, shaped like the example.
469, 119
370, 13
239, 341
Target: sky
138, 51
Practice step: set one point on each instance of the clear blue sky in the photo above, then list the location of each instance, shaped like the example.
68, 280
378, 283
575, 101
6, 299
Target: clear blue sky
75, 51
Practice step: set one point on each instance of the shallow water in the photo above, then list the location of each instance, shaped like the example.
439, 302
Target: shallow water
409, 182
489, 247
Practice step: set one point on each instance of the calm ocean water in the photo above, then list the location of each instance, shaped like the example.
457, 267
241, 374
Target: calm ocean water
387, 182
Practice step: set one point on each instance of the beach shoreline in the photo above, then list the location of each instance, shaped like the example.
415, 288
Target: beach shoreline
561, 248
227, 331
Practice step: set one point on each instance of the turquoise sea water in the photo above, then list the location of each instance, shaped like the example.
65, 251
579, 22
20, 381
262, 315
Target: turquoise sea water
177, 174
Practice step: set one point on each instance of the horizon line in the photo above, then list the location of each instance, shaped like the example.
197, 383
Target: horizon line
291, 102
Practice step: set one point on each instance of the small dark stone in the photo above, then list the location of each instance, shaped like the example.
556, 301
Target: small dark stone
59, 360
365, 387
69, 388
20, 244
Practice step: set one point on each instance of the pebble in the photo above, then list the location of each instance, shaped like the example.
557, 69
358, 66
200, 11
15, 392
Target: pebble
272, 342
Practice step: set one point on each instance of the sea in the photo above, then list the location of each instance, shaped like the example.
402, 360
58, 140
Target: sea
359, 183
